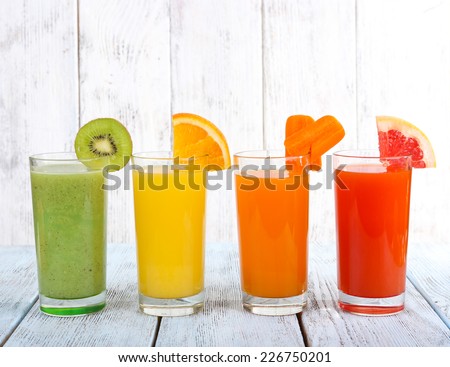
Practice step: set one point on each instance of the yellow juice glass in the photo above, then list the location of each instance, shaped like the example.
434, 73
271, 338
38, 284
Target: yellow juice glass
169, 205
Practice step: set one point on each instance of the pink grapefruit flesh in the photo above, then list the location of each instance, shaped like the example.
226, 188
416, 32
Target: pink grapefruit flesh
397, 137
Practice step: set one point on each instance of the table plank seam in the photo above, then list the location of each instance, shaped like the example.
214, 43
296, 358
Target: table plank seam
302, 329
156, 333
424, 294
16, 324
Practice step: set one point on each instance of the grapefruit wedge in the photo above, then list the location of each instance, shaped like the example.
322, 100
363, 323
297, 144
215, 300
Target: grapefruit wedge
195, 136
397, 137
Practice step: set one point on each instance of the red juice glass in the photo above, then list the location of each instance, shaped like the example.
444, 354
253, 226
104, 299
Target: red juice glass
372, 196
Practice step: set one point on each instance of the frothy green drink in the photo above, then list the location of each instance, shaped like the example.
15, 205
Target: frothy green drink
69, 208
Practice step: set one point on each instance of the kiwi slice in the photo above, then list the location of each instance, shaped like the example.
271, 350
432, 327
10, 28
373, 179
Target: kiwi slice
105, 139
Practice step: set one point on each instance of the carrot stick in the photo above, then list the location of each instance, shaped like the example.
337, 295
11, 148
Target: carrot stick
296, 123
293, 124
324, 134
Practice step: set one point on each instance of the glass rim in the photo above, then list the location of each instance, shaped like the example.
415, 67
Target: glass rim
366, 154
266, 153
60, 157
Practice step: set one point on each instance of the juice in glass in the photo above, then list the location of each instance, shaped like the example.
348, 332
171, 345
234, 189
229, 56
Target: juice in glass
272, 211
372, 215
69, 210
169, 209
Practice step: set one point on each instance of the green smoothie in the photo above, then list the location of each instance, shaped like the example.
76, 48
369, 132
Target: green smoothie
69, 208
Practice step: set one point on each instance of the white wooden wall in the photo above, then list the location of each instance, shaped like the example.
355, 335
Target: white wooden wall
245, 65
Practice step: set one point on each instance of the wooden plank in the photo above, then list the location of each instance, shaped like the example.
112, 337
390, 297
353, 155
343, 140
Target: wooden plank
119, 324
223, 322
325, 325
125, 74
18, 287
216, 73
429, 271
309, 68
403, 58
38, 99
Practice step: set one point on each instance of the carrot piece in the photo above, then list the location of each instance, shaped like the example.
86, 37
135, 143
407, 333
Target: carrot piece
296, 123
324, 134
293, 124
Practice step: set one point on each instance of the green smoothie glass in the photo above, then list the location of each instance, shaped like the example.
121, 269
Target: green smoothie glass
69, 210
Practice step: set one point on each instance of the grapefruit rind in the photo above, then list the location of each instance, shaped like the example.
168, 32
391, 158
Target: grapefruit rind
210, 129
386, 123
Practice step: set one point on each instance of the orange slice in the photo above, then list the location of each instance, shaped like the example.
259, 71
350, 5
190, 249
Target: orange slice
397, 137
195, 136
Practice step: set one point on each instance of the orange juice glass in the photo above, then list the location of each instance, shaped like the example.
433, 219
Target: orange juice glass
372, 196
272, 209
169, 206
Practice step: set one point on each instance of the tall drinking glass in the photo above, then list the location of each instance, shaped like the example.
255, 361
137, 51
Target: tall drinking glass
169, 206
69, 210
272, 210
372, 197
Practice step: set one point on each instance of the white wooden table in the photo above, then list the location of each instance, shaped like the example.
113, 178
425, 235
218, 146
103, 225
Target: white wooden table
223, 322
